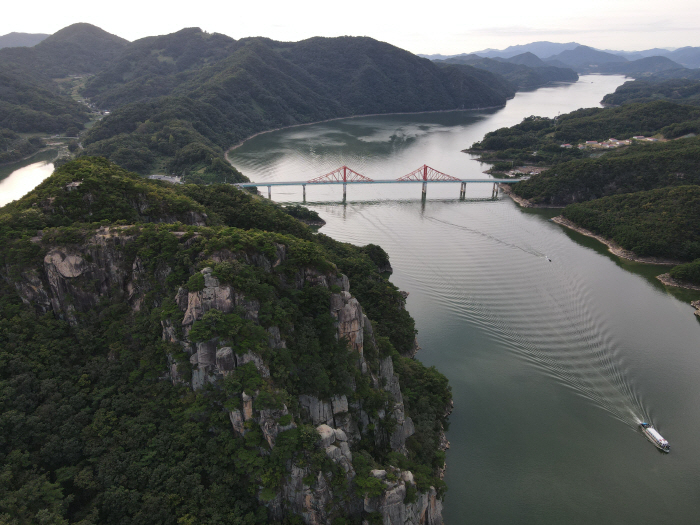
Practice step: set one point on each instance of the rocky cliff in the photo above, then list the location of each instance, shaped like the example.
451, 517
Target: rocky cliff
73, 281
199, 352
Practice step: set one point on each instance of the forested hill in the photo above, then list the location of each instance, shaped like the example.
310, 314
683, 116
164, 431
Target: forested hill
179, 100
639, 167
76, 49
15, 39
523, 72
184, 354
35, 86
682, 91
664, 222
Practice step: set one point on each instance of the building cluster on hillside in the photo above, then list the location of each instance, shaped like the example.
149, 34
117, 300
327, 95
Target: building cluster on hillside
610, 143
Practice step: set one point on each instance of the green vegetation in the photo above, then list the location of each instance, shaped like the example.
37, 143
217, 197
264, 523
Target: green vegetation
544, 136
179, 100
90, 430
645, 196
635, 168
302, 213
14, 147
33, 101
520, 76
683, 91
689, 272
28, 107
663, 222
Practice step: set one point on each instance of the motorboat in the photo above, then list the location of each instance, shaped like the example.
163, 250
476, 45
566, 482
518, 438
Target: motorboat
653, 435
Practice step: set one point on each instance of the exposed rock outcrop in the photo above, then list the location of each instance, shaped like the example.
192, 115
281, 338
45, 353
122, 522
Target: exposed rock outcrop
74, 280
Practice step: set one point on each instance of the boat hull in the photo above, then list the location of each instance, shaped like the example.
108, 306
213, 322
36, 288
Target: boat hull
661, 446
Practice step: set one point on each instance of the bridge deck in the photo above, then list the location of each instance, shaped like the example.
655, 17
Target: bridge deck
381, 181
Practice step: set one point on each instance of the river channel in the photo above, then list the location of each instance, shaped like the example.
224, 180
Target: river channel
552, 364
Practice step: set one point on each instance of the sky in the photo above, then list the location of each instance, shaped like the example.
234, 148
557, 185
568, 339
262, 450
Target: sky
437, 26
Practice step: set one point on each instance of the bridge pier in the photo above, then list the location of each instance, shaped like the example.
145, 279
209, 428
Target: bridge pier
269, 192
345, 191
304, 186
494, 192
425, 189
463, 190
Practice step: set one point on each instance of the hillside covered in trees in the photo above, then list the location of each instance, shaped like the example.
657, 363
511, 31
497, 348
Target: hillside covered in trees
681, 91
538, 140
644, 196
178, 101
193, 354
639, 167
524, 72
664, 222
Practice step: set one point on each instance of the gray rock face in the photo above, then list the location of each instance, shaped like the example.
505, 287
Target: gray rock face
319, 411
215, 297
351, 321
75, 280
225, 360
426, 510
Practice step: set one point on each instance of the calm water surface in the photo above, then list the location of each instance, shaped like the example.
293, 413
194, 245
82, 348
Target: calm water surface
19, 178
551, 363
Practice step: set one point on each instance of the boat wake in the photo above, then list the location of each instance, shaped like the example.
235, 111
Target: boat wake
543, 317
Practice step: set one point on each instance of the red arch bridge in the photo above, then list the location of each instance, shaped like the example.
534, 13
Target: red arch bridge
345, 176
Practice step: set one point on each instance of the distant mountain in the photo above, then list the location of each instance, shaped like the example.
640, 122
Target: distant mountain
21, 39
584, 58
686, 56
521, 76
554, 62
76, 49
643, 66
178, 101
541, 49
527, 59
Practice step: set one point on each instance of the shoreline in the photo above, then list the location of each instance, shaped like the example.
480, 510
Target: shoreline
236, 146
37, 152
525, 203
613, 247
670, 281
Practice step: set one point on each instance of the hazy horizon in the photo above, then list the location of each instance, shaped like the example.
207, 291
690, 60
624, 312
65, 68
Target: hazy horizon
625, 25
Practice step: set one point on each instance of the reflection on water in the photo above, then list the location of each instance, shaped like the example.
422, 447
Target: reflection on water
19, 178
551, 363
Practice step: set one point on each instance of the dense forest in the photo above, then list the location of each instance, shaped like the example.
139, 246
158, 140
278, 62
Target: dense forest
26, 106
639, 167
13, 147
644, 196
521, 73
538, 140
684, 91
120, 403
664, 222
178, 101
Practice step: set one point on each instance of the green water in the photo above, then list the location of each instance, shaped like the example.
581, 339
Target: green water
551, 363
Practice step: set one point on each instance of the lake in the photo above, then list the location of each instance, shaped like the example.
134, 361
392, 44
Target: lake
552, 364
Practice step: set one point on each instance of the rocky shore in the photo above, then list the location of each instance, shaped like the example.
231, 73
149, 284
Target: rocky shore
670, 281
614, 248
696, 305
525, 203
